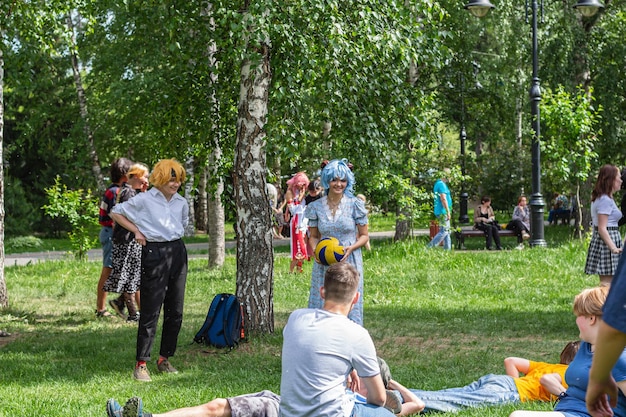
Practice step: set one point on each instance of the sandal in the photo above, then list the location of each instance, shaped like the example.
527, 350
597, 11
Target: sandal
103, 313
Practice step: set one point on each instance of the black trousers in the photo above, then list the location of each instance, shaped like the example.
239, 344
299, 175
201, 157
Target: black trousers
517, 227
491, 233
163, 279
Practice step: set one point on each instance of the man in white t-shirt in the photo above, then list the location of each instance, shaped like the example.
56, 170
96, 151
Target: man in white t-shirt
321, 347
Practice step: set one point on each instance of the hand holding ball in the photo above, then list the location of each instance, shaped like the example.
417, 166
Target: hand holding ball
329, 251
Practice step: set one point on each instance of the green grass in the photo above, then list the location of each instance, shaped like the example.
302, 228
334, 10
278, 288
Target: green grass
440, 319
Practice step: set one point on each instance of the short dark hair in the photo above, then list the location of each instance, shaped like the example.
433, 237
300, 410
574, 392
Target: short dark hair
120, 168
341, 282
314, 185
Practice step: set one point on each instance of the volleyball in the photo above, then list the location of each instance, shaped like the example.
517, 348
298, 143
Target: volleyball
329, 251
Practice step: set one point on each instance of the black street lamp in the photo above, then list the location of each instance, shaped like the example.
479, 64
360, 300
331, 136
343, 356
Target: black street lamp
463, 217
480, 8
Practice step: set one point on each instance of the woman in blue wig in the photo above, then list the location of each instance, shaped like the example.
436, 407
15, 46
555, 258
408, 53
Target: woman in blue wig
341, 215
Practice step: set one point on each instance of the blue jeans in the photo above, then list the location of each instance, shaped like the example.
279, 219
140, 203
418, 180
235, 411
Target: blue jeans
488, 390
444, 234
370, 410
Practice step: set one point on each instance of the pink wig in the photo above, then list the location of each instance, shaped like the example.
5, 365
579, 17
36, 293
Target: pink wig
299, 179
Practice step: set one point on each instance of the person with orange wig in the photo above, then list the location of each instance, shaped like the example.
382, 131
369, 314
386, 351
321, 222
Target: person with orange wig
158, 219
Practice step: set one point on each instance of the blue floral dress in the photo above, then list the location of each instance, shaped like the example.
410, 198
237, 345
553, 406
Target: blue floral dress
343, 226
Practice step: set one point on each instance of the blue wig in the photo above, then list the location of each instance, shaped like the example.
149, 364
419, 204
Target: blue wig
338, 168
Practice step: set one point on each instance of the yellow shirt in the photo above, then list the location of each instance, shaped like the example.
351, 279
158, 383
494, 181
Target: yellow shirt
529, 387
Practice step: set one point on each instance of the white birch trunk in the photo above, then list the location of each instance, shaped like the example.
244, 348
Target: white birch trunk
84, 114
255, 256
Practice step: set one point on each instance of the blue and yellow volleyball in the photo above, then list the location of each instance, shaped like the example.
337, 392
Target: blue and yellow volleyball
329, 251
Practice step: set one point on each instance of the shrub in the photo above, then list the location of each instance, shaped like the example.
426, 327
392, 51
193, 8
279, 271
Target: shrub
16, 244
80, 209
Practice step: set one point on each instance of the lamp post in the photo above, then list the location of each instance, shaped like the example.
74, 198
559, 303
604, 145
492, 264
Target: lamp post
480, 8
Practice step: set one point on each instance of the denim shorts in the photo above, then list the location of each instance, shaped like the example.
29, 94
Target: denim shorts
106, 240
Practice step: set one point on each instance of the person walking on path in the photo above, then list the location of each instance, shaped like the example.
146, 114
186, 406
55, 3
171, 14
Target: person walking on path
158, 219
119, 169
606, 242
443, 211
341, 215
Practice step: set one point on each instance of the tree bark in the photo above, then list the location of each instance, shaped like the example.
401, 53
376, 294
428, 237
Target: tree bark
255, 256
4, 296
202, 208
215, 181
84, 114
190, 230
215, 229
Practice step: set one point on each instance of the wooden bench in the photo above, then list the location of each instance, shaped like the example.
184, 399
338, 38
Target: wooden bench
468, 233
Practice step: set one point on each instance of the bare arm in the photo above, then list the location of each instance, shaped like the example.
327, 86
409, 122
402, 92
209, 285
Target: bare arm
603, 220
609, 346
553, 383
514, 366
375, 390
314, 238
361, 240
411, 404
444, 203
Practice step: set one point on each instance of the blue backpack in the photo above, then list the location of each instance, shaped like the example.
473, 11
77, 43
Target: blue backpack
223, 326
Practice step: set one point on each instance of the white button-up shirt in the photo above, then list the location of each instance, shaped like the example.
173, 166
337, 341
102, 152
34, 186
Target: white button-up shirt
156, 218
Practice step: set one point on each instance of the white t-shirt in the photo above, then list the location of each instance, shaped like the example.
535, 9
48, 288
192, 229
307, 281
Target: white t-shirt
605, 205
319, 351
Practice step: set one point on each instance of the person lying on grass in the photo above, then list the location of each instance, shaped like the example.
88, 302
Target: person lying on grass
266, 403
588, 307
541, 382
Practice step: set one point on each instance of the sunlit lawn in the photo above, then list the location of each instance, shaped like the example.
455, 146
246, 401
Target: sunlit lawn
440, 319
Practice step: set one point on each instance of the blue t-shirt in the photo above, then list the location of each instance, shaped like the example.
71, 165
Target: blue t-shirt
441, 188
577, 378
614, 311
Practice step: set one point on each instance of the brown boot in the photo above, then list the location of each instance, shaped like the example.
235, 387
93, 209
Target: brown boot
129, 300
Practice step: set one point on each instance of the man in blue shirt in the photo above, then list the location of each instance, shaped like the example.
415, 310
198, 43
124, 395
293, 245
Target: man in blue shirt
443, 211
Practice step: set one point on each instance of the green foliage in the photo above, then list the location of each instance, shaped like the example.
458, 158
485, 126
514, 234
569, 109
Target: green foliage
80, 209
22, 244
569, 137
439, 319
23, 215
